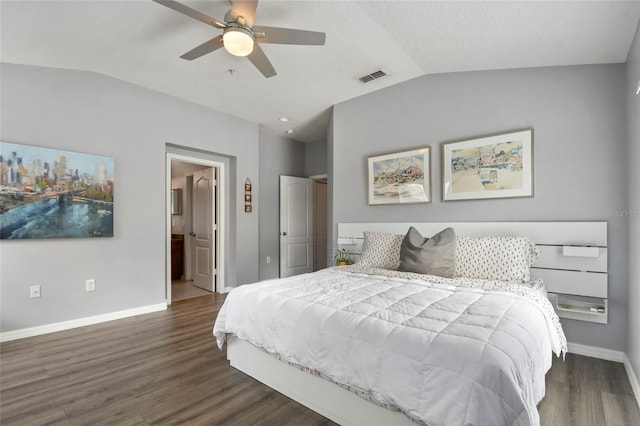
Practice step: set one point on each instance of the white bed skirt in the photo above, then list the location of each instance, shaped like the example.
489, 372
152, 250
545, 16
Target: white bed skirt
320, 395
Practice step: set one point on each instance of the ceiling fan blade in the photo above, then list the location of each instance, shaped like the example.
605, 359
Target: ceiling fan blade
288, 36
246, 9
260, 61
206, 47
192, 13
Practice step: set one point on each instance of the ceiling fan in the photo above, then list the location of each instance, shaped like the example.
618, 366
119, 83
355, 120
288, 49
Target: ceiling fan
240, 37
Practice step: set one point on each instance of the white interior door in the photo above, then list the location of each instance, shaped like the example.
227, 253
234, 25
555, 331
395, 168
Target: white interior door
203, 235
296, 225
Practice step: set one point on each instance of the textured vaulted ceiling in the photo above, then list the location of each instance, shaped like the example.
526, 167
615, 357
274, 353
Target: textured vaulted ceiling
140, 41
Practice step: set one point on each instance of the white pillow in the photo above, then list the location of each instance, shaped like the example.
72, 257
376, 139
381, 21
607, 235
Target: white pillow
380, 250
495, 258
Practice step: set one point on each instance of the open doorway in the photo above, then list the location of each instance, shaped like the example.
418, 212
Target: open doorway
320, 253
195, 228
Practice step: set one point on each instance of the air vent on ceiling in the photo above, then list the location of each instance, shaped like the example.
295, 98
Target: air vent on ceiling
373, 76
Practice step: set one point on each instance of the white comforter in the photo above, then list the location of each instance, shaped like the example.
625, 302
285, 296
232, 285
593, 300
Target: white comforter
443, 351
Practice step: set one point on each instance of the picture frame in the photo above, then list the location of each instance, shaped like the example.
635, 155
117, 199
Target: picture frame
488, 167
247, 197
54, 193
400, 177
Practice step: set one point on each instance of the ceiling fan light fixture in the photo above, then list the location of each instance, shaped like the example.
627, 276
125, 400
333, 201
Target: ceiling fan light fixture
239, 36
238, 41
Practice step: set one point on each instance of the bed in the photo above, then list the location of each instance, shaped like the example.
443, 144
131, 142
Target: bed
369, 344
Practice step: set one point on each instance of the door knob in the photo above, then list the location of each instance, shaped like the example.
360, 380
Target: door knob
284, 234
192, 234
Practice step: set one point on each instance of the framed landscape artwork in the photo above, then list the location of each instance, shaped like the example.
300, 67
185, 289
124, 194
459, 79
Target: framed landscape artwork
494, 166
51, 193
401, 177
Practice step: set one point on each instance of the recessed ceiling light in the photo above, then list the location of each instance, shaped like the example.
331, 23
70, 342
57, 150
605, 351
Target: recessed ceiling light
284, 119
290, 131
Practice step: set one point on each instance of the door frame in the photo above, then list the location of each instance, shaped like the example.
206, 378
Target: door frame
315, 178
221, 208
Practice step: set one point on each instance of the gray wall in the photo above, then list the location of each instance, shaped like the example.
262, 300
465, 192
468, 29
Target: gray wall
578, 114
278, 156
633, 126
88, 112
315, 158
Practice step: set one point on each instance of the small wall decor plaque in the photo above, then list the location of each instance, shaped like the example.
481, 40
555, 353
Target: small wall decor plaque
247, 196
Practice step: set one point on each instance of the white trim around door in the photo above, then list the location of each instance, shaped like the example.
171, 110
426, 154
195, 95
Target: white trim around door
221, 207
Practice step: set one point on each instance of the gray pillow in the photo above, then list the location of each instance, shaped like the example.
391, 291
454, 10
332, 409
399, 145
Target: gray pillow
433, 256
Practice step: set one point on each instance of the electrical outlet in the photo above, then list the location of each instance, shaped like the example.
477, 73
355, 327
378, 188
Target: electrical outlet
90, 285
35, 291
268, 260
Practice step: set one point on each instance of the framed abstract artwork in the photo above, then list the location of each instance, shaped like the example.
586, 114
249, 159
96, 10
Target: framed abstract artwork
401, 177
52, 193
487, 167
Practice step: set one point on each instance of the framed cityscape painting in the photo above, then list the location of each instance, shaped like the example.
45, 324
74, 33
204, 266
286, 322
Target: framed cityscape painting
401, 177
51, 193
494, 166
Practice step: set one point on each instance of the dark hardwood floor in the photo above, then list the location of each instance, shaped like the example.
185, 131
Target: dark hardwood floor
165, 368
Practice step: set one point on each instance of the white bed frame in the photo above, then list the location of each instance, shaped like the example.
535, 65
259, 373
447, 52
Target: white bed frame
573, 265
322, 396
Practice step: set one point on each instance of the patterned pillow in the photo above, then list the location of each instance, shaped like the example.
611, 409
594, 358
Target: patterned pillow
381, 250
495, 258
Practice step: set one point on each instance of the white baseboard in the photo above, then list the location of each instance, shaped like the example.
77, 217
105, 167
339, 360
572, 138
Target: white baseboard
80, 322
609, 355
633, 378
595, 352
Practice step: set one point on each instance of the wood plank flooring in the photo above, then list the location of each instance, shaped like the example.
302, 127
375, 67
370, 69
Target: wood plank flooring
164, 368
